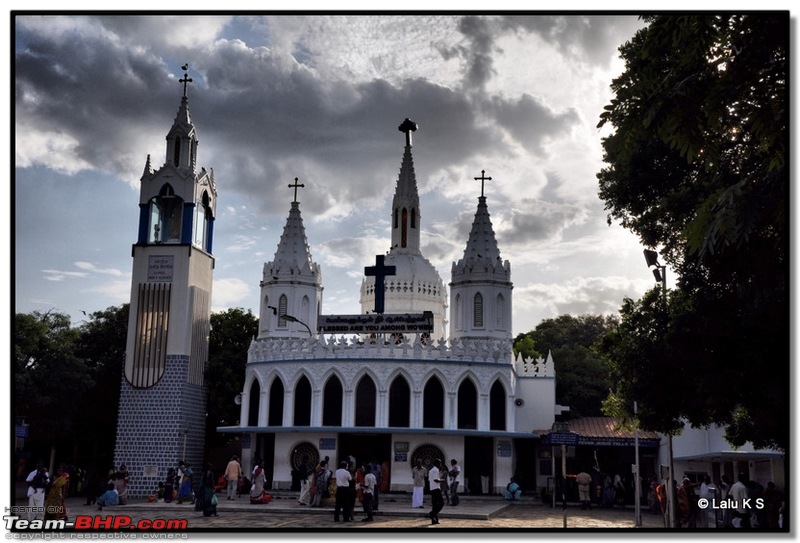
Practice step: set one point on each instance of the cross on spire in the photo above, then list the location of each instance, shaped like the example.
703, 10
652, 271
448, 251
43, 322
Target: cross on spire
482, 179
295, 186
186, 79
380, 271
408, 126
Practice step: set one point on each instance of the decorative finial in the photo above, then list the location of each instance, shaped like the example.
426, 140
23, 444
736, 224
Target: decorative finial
408, 126
295, 186
482, 179
186, 79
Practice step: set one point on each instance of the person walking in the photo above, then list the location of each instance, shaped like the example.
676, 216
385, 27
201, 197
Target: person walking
343, 498
455, 479
233, 474
437, 501
584, 481
37, 481
368, 487
418, 474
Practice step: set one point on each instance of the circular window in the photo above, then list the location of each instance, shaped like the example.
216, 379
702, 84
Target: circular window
426, 453
304, 453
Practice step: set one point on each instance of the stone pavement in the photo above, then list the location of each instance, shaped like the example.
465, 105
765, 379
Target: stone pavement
285, 514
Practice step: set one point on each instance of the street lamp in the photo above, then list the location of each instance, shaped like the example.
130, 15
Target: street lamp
290, 319
660, 273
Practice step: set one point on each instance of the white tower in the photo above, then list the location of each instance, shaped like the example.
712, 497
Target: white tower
416, 286
480, 289
162, 400
291, 285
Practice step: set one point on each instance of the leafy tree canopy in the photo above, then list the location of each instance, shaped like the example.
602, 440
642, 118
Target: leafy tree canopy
583, 378
696, 166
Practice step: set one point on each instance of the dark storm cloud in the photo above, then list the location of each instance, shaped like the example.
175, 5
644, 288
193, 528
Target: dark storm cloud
537, 220
594, 39
531, 123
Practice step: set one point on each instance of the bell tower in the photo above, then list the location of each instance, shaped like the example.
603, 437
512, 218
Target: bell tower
161, 416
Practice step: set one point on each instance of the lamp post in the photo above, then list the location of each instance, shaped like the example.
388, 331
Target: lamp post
660, 273
637, 517
290, 318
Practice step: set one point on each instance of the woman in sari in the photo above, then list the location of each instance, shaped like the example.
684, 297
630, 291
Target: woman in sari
207, 499
121, 480
257, 493
321, 477
185, 480
55, 505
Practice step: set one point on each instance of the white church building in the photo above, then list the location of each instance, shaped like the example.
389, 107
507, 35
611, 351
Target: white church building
391, 384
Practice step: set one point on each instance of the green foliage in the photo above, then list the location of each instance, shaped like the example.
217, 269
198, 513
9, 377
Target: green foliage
697, 167
48, 375
231, 333
583, 377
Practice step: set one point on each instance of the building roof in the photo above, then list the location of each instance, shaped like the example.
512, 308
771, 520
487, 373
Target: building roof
606, 427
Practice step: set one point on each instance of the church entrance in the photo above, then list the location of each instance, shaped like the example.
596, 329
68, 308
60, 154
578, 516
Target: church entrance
479, 464
365, 447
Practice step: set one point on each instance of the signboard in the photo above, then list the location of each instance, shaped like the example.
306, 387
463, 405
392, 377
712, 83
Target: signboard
327, 443
21, 431
554, 438
504, 449
617, 442
159, 269
376, 323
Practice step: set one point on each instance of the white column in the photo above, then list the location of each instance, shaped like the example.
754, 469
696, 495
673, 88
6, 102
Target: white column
483, 411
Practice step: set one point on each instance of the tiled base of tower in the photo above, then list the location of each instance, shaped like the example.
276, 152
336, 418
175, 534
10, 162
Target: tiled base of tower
159, 426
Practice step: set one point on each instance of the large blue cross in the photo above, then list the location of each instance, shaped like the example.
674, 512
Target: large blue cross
380, 271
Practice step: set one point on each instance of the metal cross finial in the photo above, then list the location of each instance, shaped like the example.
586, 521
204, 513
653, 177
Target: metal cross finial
408, 126
186, 79
295, 186
380, 271
482, 179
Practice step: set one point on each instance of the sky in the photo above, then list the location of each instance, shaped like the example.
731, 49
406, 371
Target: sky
320, 98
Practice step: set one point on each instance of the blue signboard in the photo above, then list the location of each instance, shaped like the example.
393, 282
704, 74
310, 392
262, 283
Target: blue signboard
570, 439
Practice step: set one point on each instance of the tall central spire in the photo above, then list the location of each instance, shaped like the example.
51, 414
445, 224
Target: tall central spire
405, 204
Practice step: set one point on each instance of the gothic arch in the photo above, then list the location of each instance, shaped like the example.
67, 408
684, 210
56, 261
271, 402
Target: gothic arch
457, 312
400, 402
283, 305
332, 401
275, 402
497, 406
433, 394
254, 402
477, 310
467, 400
366, 396
302, 402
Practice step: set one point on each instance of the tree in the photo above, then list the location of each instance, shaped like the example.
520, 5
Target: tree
48, 376
583, 376
101, 345
697, 167
232, 331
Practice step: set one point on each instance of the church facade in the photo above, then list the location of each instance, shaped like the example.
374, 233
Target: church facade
393, 397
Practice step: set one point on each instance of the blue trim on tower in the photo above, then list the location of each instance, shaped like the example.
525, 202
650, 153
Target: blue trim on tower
187, 229
144, 216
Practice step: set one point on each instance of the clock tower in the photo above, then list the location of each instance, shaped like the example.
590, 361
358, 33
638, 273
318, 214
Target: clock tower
162, 407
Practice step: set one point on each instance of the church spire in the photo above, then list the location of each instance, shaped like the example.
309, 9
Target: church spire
480, 289
405, 204
291, 285
182, 137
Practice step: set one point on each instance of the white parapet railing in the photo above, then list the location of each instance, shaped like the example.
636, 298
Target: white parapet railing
409, 346
418, 347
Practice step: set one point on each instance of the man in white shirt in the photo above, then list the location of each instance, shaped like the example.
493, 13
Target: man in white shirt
344, 500
37, 485
368, 486
435, 481
738, 493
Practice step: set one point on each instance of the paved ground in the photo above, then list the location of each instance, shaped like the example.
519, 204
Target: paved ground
284, 513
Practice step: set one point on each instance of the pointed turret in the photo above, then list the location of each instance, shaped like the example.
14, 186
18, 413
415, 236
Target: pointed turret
405, 204
291, 286
480, 289
416, 286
